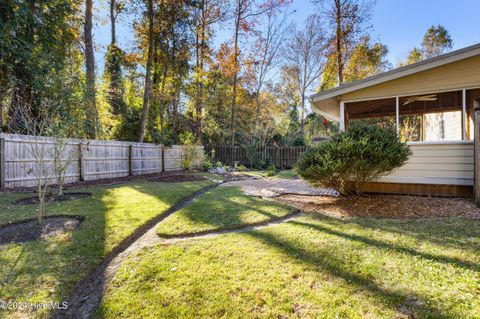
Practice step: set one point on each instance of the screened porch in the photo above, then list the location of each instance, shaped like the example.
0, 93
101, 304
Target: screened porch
431, 117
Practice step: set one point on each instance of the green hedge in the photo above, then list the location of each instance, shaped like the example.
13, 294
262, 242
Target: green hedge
360, 154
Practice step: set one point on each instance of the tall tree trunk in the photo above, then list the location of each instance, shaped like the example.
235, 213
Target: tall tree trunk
200, 62
112, 21
174, 117
1, 113
302, 115
257, 113
146, 93
235, 75
162, 102
92, 112
196, 118
338, 39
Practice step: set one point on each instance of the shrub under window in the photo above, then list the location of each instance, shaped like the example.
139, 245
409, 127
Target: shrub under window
358, 155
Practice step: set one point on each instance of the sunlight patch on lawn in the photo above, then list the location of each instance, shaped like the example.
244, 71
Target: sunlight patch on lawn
313, 266
222, 207
48, 269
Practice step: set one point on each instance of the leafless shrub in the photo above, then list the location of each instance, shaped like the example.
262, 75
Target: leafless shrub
48, 152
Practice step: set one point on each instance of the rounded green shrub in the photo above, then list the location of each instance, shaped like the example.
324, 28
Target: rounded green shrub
358, 155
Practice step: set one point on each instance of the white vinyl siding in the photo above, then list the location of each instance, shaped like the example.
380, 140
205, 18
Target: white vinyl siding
447, 163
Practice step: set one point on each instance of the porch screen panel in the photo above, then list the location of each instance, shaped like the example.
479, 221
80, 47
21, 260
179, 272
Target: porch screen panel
374, 112
431, 117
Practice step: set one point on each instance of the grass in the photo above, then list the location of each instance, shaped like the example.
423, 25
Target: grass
284, 173
287, 174
221, 207
46, 270
310, 267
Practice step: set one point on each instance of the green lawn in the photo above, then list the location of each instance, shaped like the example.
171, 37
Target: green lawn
221, 207
284, 173
310, 267
46, 270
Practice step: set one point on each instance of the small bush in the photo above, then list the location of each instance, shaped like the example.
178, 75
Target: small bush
189, 157
253, 153
360, 154
271, 170
208, 163
240, 168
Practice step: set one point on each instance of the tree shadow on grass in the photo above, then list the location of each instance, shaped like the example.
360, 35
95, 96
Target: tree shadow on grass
392, 247
328, 262
228, 206
452, 232
48, 270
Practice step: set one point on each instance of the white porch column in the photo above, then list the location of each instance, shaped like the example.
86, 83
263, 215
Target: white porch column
397, 114
464, 114
342, 116
476, 143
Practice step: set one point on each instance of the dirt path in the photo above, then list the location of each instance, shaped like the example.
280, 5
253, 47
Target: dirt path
87, 295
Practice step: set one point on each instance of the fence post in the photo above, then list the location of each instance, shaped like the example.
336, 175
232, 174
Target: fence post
162, 150
2, 162
276, 161
130, 159
81, 171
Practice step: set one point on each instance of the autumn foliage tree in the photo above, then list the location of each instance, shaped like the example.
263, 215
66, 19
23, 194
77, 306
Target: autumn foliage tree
436, 41
305, 53
246, 14
229, 72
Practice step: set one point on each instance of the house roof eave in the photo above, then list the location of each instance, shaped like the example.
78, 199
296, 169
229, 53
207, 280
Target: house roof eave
410, 69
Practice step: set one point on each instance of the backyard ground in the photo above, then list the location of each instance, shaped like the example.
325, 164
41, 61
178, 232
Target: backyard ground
337, 259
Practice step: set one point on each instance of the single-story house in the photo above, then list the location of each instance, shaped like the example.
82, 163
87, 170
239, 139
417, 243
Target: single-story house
431, 104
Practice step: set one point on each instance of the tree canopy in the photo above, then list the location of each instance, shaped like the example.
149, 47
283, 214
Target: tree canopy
174, 82
436, 41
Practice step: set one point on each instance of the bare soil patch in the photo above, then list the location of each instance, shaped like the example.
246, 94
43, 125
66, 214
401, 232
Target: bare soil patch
52, 198
387, 206
30, 229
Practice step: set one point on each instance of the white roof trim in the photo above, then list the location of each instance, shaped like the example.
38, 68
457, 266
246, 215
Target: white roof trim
328, 115
424, 65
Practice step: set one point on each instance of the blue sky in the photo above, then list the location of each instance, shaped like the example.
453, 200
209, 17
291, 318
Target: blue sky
400, 24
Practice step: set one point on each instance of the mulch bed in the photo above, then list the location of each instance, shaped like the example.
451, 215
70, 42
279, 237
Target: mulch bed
30, 229
176, 178
387, 206
52, 198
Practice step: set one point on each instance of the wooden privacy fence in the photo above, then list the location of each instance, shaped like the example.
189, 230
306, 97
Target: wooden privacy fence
281, 157
86, 159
